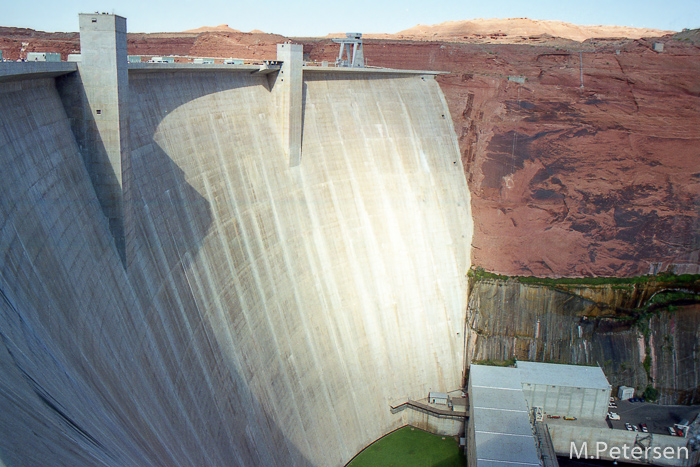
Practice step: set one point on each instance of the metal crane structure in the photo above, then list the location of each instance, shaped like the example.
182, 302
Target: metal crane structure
357, 58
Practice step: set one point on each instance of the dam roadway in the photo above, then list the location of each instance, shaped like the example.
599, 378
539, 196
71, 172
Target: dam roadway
254, 312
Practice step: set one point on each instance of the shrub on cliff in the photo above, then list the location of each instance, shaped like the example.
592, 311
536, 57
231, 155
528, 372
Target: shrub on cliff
650, 393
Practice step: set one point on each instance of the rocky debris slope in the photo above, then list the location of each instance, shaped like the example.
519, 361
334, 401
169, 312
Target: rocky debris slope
257, 46
15, 43
691, 36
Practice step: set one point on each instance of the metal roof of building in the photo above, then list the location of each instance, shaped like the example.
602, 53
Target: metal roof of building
494, 398
502, 433
501, 448
497, 420
563, 375
495, 377
502, 430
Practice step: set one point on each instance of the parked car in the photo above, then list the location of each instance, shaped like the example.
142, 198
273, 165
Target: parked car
671, 431
553, 416
635, 427
612, 405
569, 418
613, 416
644, 428
628, 426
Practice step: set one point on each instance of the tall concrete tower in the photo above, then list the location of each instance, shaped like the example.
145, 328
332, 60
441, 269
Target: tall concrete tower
104, 137
289, 88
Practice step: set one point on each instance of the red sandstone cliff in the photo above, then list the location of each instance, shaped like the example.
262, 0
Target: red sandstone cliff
569, 176
602, 179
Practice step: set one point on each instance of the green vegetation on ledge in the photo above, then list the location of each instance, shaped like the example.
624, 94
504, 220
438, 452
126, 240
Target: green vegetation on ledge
509, 362
646, 295
665, 278
647, 365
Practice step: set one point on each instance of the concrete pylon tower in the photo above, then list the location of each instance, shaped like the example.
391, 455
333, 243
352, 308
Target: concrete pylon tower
105, 139
289, 86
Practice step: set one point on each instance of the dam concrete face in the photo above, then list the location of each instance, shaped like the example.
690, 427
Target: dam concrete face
265, 314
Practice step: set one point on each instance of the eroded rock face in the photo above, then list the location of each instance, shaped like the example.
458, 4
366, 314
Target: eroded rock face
567, 180
506, 319
595, 180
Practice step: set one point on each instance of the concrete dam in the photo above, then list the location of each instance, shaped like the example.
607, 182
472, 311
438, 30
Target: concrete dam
222, 264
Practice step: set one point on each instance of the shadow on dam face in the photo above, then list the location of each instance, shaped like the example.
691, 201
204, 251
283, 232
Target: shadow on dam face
267, 315
89, 376
212, 405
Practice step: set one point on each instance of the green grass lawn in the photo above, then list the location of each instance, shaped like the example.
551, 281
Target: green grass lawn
411, 447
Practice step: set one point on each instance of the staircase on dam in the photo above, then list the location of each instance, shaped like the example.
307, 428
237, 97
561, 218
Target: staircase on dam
222, 264
447, 418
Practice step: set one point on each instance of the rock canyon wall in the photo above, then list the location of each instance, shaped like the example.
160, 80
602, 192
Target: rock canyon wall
570, 180
590, 325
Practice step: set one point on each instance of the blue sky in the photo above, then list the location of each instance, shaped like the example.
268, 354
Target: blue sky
320, 17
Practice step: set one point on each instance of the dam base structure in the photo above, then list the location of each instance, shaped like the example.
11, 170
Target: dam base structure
225, 265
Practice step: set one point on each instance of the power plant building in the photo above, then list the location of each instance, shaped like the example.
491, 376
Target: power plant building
566, 390
506, 402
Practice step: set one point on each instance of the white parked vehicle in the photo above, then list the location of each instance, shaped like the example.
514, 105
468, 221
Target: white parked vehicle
613, 416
